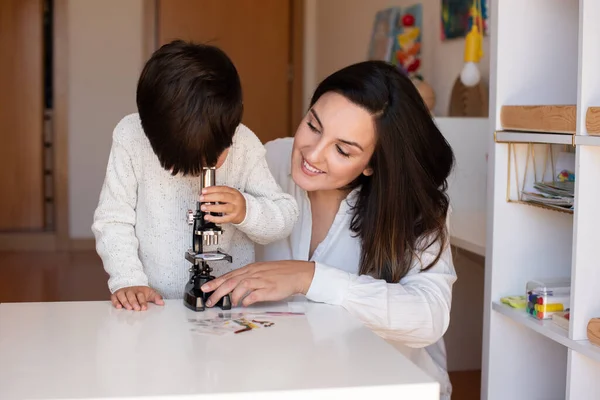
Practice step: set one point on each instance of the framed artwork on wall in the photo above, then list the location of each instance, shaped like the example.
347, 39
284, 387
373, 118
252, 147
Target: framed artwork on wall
459, 15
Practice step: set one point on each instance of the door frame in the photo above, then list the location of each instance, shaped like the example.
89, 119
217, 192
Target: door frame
58, 239
296, 104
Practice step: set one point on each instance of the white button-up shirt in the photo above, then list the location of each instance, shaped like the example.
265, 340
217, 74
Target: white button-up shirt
412, 315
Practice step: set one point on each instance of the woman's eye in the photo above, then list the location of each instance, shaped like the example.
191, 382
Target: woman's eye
312, 127
339, 149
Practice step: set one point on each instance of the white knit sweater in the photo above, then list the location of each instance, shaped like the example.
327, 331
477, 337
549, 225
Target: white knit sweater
140, 223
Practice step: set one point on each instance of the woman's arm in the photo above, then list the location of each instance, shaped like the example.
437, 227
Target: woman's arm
415, 311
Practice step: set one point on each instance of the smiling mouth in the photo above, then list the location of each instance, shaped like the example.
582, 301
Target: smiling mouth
310, 169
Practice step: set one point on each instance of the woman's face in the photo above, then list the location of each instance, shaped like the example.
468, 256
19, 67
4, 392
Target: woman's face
333, 144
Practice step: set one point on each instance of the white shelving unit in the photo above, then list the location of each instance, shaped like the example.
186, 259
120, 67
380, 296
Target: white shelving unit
530, 137
587, 140
542, 52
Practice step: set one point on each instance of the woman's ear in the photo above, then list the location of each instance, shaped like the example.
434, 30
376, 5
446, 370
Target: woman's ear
368, 171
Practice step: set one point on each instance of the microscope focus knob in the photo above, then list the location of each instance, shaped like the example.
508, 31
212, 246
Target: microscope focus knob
190, 217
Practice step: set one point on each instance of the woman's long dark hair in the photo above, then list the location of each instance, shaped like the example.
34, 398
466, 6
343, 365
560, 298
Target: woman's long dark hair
401, 208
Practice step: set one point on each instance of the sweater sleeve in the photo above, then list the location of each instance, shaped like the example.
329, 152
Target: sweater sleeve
270, 212
415, 311
114, 221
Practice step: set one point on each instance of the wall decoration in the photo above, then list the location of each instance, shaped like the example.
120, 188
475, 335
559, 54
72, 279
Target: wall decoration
457, 17
382, 37
396, 38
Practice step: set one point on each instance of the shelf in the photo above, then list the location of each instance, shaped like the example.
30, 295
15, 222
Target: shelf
543, 206
531, 137
584, 140
549, 329
546, 138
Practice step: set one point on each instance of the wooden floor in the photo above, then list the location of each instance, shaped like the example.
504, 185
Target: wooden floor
78, 276
45, 276
466, 385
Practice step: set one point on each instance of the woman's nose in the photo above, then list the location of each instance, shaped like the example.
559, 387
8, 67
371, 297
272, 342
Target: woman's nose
314, 155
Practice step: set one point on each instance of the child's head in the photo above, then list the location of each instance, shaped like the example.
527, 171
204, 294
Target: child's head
189, 99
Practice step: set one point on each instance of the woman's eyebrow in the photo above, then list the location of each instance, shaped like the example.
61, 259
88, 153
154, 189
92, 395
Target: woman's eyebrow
351, 143
348, 142
314, 113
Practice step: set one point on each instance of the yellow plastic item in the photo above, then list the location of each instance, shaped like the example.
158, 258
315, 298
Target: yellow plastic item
473, 45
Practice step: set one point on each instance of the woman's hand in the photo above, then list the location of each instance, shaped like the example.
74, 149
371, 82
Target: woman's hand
267, 281
232, 204
136, 298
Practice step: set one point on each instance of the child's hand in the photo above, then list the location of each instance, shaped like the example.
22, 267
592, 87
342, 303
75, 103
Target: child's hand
233, 204
136, 298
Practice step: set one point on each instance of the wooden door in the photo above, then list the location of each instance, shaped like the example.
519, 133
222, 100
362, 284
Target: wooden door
257, 36
21, 115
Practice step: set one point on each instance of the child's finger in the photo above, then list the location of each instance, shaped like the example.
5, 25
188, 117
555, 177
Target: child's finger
220, 197
218, 189
225, 219
133, 300
225, 208
142, 300
123, 299
156, 298
115, 301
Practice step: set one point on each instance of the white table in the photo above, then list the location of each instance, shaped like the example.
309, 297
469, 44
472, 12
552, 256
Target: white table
89, 350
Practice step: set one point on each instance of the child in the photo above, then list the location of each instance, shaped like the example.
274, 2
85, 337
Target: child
189, 100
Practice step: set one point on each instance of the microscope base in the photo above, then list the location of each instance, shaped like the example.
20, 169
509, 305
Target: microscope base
195, 299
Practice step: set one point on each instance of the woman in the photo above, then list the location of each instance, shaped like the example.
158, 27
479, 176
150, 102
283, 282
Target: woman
368, 169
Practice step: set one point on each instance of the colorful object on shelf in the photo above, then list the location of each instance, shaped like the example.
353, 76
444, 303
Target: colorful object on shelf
396, 38
566, 176
457, 18
514, 301
407, 47
562, 319
382, 37
546, 298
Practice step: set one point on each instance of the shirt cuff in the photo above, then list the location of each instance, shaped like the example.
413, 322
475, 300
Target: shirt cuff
329, 285
249, 222
120, 282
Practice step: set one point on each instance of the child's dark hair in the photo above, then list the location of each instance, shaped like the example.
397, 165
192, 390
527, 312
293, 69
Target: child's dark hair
189, 99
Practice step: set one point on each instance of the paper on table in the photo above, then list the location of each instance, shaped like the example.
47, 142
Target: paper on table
232, 323
220, 326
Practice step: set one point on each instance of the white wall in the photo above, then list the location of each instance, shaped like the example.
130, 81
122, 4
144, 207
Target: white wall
343, 31
105, 57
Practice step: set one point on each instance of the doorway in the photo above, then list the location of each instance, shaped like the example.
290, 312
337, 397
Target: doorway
33, 209
263, 39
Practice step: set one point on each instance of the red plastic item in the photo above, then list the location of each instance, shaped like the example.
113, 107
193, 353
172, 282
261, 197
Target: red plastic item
408, 20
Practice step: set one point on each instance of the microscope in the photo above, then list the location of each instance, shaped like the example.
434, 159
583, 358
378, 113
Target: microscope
204, 233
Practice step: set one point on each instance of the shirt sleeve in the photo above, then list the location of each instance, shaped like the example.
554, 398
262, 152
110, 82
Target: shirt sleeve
415, 311
270, 212
114, 221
